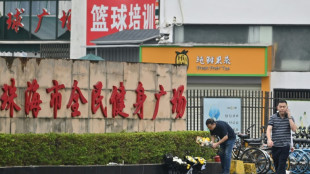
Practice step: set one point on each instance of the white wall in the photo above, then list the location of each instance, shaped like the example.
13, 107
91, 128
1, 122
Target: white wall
264, 12
290, 80
78, 29
235, 12
251, 12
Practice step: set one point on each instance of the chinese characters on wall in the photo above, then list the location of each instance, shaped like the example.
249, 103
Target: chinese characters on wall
7, 98
33, 101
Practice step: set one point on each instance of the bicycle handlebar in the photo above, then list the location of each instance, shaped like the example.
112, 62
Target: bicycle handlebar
248, 129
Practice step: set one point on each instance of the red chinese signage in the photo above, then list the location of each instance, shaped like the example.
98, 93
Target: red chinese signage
40, 16
76, 94
96, 100
117, 99
157, 96
32, 99
66, 19
140, 100
7, 98
14, 21
178, 102
107, 17
56, 97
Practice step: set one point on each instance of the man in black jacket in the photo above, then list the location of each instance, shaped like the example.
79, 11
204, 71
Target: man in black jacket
226, 141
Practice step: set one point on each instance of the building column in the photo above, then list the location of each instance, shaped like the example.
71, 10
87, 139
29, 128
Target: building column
78, 29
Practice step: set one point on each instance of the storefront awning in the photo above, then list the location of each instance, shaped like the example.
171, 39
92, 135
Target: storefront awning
128, 37
91, 57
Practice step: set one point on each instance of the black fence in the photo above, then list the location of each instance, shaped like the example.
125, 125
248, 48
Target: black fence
256, 106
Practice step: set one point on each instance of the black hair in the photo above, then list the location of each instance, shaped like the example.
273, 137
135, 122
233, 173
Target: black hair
282, 101
210, 121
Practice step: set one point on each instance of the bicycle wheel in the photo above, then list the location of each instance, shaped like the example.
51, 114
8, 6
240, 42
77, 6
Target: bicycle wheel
303, 161
299, 161
237, 150
293, 162
258, 157
270, 167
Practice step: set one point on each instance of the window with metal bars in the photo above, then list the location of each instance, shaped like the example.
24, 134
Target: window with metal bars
289, 94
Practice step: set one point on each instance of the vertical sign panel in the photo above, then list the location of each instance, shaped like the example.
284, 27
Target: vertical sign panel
225, 109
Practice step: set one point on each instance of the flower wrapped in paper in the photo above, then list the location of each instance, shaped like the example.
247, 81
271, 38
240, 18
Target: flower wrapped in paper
203, 141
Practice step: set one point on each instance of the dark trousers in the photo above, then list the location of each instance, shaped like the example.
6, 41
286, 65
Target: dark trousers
225, 155
279, 156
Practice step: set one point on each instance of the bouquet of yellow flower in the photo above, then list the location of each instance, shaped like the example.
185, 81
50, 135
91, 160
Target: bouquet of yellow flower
203, 141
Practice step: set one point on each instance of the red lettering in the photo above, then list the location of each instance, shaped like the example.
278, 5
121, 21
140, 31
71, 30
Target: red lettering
66, 19
76, 94
157, 96
32, 99
40, 16
17, 21
96, 100
9, 21
140, 100
178, 102
55, 97
117, 101
7, 98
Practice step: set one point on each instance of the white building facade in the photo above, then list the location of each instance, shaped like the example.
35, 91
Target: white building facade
283, 24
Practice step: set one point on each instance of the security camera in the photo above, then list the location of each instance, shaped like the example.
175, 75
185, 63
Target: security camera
168, 25
165, 36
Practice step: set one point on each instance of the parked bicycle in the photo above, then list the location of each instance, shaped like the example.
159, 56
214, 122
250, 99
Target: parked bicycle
255, 151
248, 150
300, 157
270, 169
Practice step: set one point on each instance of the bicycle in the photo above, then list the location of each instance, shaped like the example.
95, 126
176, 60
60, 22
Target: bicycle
241, 143
259, 153
270, 169
248, 151
300, 156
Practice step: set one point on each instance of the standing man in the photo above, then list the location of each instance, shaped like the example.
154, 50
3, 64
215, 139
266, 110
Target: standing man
280, 125
226, 141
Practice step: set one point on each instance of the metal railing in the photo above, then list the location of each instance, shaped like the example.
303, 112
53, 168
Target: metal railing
55, 51
256, 106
